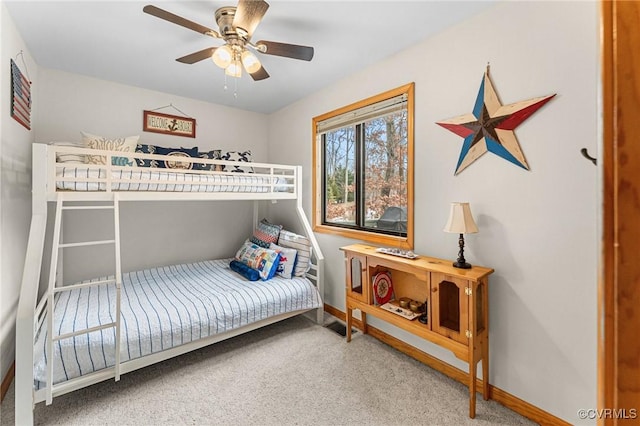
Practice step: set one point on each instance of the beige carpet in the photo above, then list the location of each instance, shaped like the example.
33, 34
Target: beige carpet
290, 373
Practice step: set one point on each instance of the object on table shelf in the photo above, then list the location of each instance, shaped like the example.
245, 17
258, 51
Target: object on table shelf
404, 302
416, 306
408, 254
382, 287
424, 318
393, 307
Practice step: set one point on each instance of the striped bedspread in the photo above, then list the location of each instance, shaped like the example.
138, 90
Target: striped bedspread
135, 179
162, 308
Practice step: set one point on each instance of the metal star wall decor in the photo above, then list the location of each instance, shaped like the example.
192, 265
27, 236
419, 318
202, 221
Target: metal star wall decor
491, 126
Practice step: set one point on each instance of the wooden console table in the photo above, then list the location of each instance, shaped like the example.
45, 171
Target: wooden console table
456, 302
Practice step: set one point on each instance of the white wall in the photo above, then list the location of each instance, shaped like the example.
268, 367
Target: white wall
72, 103
15, 187
157, 233
537, 227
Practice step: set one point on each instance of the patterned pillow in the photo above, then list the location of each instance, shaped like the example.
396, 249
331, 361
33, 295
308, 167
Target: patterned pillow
67, 157
176, 153
287, 260
210, 155
302, 245
244, 156
265, 233
127, 144
146, 149
265, 261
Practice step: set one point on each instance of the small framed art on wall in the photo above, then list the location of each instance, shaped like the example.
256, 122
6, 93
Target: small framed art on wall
169, 124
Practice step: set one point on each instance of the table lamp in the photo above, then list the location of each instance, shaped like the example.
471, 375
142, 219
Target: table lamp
461, 222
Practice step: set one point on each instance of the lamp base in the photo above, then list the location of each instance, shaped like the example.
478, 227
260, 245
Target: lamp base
462, 265
461, 262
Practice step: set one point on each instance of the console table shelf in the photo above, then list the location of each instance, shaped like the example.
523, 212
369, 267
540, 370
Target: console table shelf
456, 303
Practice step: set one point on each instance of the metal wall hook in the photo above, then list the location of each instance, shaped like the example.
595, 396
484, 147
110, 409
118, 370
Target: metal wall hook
586, 155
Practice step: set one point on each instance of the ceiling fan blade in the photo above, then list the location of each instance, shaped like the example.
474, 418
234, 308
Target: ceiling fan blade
294, 51
261, 74
197, 56
175, 19
249, 13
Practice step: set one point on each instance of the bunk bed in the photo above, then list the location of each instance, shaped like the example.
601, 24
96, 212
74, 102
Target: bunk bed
69, 336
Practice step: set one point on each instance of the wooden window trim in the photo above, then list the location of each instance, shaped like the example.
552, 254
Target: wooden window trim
371, 237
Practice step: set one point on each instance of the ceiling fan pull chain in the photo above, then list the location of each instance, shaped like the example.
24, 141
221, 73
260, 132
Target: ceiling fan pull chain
225, 82
235, 88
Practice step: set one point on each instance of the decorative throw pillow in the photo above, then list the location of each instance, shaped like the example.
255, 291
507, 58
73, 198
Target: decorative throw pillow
176, 154
265, 261
209, 155
265, 233
302, 245
242, 156
287, 260
146, 149
67, 157
127, 144
247, 272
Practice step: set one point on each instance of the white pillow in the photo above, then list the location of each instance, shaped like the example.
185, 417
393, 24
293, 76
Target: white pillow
67, 157
127, 144
287, 260
302, 245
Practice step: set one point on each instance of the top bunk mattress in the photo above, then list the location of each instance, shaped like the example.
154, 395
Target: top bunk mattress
161, 308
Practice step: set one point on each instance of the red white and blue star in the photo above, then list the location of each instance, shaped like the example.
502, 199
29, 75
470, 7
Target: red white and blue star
491, 126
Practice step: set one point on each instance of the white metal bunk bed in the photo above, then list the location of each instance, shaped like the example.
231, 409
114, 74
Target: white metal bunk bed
105, 186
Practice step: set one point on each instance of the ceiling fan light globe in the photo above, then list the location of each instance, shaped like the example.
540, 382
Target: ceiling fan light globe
250, 62
234, 69
222, 56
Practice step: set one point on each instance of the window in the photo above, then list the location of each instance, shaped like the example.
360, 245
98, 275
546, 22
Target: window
363, 169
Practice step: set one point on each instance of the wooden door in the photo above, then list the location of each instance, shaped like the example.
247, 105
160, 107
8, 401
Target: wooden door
619, 280
449, 306
358, 284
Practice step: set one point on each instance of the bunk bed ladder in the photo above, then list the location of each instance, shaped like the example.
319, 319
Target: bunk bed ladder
56, 285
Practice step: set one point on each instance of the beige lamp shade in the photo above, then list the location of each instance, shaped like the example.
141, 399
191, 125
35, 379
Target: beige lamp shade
460, 220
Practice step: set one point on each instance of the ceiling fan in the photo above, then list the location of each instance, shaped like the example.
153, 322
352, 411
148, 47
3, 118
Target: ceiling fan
236, 26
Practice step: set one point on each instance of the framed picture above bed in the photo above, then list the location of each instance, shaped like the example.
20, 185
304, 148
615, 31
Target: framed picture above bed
169, 124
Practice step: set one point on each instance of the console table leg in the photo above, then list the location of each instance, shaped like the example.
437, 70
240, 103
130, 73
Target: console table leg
485, 369
472, 387
363, 315
349, 321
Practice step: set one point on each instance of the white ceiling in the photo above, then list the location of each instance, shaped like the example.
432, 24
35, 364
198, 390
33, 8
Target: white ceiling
116, 41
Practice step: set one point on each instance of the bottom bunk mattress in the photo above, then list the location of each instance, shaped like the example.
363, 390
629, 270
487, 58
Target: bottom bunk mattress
161, 308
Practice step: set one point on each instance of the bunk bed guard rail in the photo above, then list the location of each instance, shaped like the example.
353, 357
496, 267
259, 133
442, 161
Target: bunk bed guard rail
82, 170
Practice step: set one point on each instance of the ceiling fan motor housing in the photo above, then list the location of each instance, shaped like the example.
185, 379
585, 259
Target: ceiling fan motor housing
224, 19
